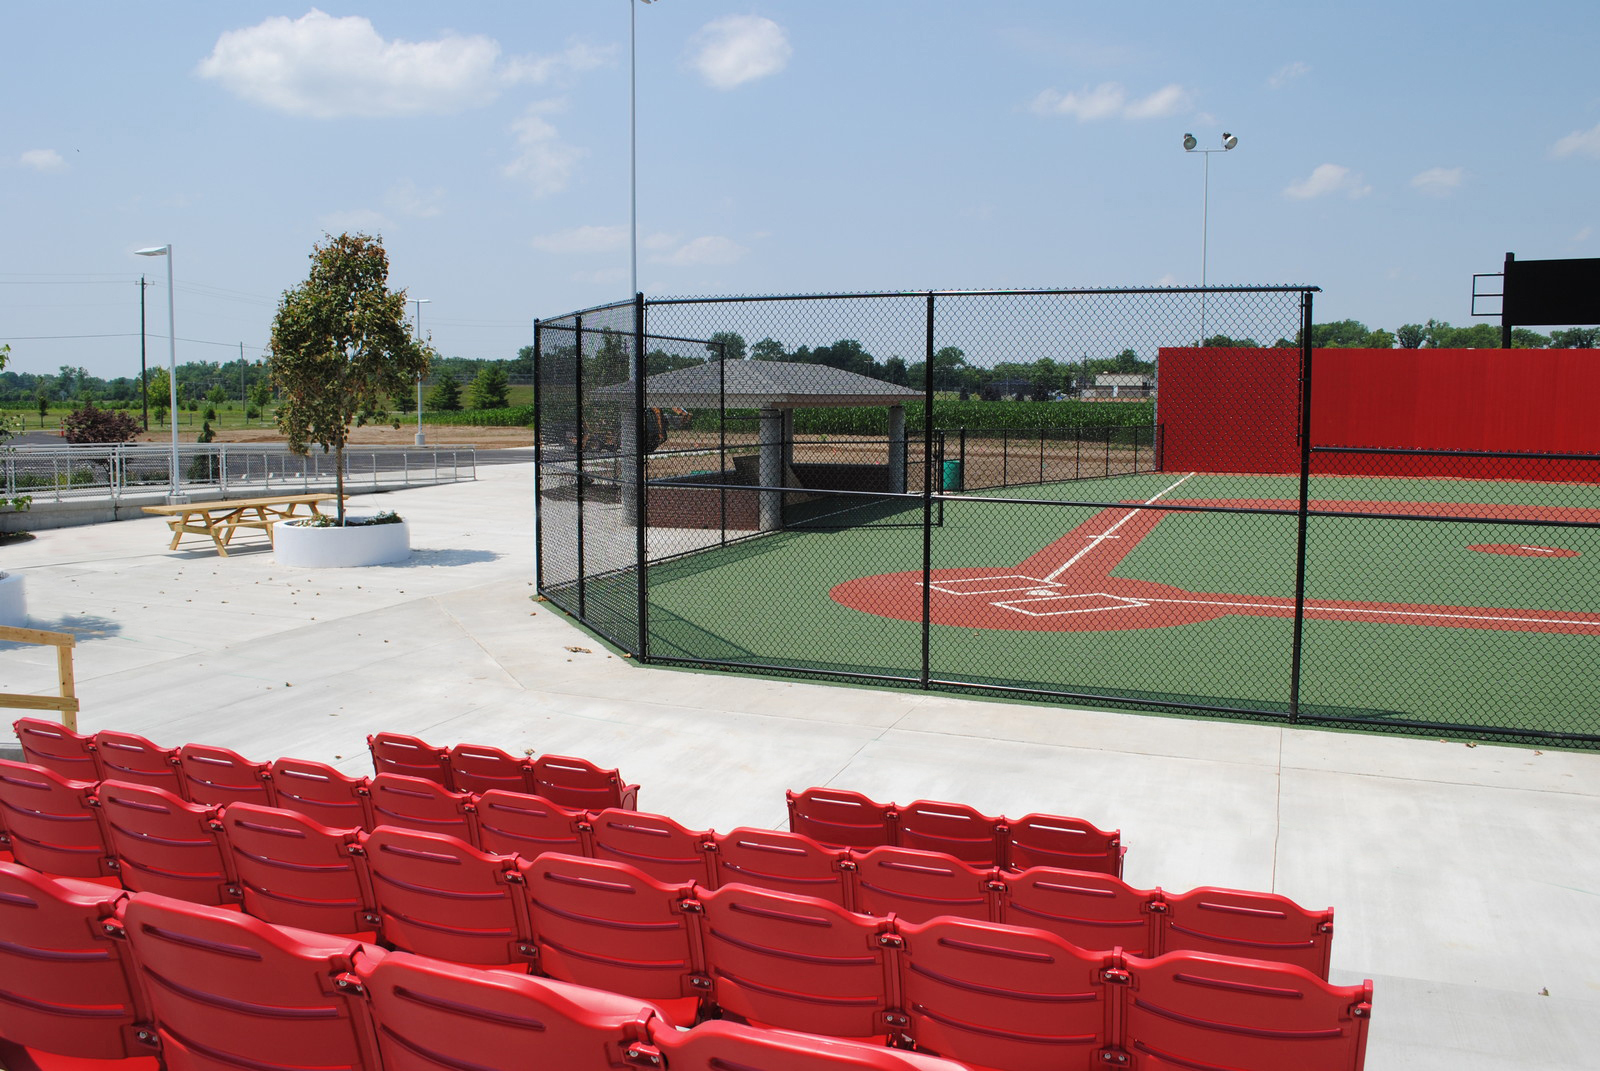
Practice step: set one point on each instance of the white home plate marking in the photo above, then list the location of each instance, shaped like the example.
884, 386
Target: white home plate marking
1056, 605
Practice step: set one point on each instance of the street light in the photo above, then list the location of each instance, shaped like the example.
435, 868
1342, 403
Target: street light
173, 497
633, 143
1191, 145
417, 322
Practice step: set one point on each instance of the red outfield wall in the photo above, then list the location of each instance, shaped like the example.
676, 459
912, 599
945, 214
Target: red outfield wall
1237, 410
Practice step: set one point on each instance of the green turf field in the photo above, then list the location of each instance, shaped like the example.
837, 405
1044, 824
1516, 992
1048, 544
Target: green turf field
769, 600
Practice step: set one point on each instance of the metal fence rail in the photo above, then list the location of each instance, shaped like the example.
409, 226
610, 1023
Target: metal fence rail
73, 473
1284, 579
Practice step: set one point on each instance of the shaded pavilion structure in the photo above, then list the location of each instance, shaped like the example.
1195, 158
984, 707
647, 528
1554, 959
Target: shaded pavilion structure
775, 390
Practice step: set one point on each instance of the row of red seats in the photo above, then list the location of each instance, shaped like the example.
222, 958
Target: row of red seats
88, 972
285, 867
201, 773
851, 820
984, 994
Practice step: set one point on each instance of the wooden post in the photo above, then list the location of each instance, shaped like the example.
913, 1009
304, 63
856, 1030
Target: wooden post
63, 642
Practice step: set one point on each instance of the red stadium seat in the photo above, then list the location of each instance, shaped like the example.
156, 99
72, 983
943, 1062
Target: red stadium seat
432, 1015
797, 963
393, 753
918, 886
1058, 841
1228, 922
477, 768
999, 996
612, 927
57, 748
322, 793
233, 993
836, 817
1191, 1010
1095, 911
517, 823
580, 783
66, 987
440, 896
784, 862
415, 803
722, 1046
166, 845
133, 760
655, 844
216, 775
293, 871
952, 828
50, 823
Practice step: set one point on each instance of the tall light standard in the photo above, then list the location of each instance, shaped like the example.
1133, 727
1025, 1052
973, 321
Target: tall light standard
417, 322
173, 497
633, 143
1191, 145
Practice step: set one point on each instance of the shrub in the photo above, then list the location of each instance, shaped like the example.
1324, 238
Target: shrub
91, 424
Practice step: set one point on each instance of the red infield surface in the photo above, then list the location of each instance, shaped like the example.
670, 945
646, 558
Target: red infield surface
1068, 586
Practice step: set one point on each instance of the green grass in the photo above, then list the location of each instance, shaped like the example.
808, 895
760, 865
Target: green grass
767, 601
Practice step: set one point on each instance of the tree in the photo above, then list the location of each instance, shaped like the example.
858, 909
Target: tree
445, 395
491, 390
1574, 338
1411, 336
732, 345
1227, 342
769, 349
1523, 339
216, 395
339, 346
91, 424
158, 393
261, 394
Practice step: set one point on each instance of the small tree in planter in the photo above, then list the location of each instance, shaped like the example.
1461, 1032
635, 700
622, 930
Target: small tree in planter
340, 346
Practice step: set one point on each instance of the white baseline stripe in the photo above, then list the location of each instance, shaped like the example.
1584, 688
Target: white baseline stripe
1379, 613
1095, 542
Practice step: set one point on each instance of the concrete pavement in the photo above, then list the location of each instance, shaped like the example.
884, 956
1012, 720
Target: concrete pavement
1465, 878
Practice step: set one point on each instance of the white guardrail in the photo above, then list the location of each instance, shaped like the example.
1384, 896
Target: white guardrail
72, 473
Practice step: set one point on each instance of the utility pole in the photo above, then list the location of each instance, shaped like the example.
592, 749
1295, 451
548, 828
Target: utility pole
144, 375
241, 377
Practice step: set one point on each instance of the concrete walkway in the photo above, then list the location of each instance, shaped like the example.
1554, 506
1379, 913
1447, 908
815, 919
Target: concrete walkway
1466, 879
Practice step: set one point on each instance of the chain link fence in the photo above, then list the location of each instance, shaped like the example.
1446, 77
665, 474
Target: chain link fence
800, 485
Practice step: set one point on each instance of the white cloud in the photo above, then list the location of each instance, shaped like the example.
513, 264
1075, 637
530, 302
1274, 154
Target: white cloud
544, 161
407, 200
1288, 73
709, 250
1578, 143
1328, 179
329, 67
736, 49
1437, 181
589, 239
1109, 100
43, 160
1583, 234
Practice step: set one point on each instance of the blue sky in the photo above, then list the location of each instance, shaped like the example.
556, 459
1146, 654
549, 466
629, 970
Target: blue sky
1386, 152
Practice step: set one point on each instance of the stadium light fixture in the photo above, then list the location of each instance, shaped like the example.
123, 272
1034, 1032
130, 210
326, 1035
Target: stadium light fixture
173, 497
1189, 143
417, 324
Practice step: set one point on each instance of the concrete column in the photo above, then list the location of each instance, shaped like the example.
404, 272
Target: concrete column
897, 449
628, 466
788, 439
771, 469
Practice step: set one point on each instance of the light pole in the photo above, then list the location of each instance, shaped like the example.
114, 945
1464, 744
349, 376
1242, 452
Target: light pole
1191, 145
417, 322
173, 497
633, 144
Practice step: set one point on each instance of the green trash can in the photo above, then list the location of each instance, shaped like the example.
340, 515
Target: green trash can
954, 478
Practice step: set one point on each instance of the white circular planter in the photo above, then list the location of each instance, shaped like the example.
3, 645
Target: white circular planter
297, 544
13, 601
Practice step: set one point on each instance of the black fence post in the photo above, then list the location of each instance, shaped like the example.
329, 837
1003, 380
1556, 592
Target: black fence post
721, 353
640, 456
963, 486
927, 499
538, 459
577, 405
1005, 457
1041, 454
1305, 498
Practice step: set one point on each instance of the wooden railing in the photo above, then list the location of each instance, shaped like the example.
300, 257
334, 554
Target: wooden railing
63, 642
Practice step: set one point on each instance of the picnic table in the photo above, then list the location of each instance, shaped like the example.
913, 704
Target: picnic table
221, 518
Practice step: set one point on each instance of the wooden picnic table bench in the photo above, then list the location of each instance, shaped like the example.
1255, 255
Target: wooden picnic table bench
221, 518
